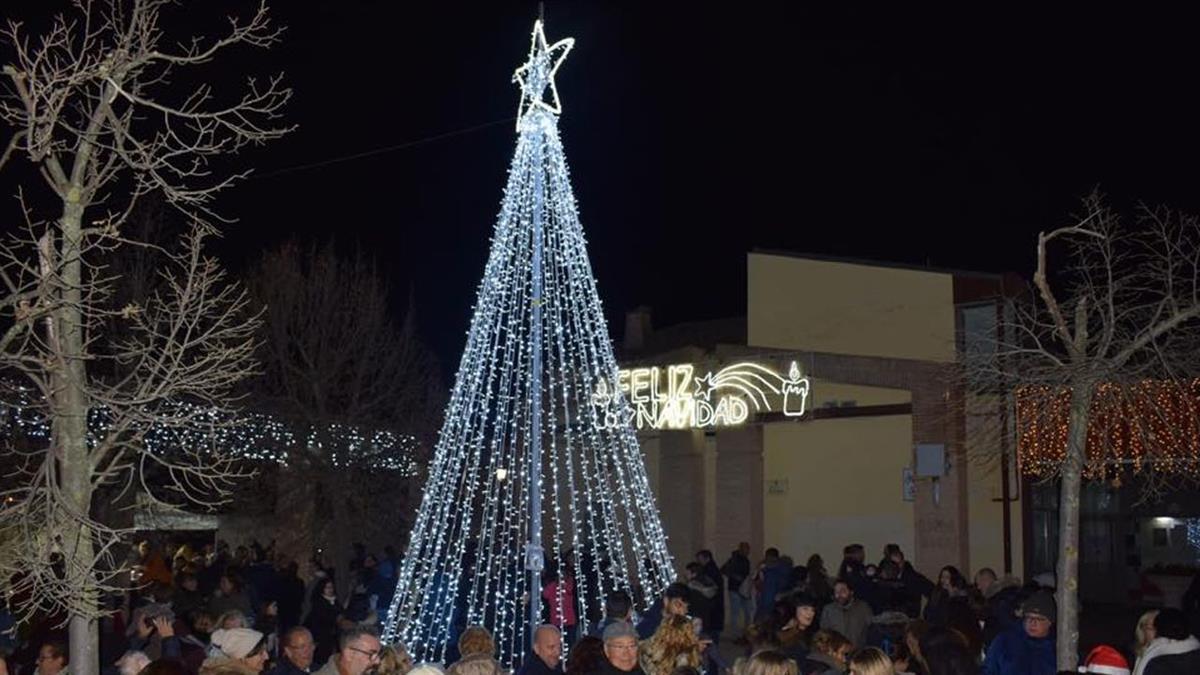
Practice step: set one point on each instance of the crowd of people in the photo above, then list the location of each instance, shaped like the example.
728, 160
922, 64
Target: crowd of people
210, 610
214, 611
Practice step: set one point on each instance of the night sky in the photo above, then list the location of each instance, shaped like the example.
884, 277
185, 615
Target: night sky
697, 134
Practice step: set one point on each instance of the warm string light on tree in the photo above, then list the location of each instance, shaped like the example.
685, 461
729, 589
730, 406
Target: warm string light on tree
521, 441
253, 436
1153, 424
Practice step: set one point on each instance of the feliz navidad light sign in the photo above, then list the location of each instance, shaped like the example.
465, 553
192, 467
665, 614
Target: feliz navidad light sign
673, 397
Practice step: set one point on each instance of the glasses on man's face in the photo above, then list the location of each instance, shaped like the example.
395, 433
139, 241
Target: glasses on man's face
373, 654
625, 647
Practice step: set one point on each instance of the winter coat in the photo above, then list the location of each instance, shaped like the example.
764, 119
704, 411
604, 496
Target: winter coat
476, 664
702, 600
219, 604
736, 569
568, 617
330, 667
821, 664
607, 668
534, 665
717, 624
1165, 650
852, 620
1175, 664
915, 581
322, 623
286, 667
1000, 605
1013, 652
771, 581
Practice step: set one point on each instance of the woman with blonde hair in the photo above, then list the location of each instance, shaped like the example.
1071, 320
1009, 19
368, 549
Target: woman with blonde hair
675, 643
770, 662
478, 651
871, 661
394, 660
1144, 633
829, 654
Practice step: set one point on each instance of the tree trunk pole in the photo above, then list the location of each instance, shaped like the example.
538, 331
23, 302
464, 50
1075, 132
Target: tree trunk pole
1067, 622
70, 425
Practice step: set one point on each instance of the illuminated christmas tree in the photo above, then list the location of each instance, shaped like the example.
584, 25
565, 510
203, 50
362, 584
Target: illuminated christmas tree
526, 462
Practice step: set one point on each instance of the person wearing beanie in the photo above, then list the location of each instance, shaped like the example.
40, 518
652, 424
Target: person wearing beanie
240, 651
1029, 647
1174, 651
1104, 660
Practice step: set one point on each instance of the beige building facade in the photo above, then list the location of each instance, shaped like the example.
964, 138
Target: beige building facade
878, 347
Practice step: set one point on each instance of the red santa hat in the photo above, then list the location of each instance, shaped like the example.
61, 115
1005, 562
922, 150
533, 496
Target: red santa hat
1106, 661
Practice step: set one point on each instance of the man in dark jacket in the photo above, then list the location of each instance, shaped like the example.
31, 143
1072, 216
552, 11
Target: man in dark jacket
674, 602
547, 653
617, 607
713, 572
296, 655
736, 571
1028, 648
917, 583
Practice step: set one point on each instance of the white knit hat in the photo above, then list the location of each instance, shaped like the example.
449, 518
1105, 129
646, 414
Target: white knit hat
236, 643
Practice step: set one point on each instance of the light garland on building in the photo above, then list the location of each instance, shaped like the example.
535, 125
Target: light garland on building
521, 441
253, 436
1153, 424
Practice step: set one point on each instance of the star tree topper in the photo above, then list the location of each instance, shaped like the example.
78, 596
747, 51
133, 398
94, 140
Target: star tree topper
538, 73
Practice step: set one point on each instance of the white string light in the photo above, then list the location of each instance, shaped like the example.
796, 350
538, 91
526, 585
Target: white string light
537, 311
253, 436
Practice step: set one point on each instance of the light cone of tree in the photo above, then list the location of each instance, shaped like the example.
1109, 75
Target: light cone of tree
531, 456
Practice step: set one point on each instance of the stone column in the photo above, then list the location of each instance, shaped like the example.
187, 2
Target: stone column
739, 491
681, 492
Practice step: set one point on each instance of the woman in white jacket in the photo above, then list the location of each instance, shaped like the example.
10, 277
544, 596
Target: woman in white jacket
1171, 627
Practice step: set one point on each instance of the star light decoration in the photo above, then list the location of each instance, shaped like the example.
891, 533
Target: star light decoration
538, 73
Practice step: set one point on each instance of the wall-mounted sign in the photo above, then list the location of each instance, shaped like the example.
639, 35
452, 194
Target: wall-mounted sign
673, 397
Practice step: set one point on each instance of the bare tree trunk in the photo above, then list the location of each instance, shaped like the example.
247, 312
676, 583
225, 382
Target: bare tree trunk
74, 469
1067, 622
340, 542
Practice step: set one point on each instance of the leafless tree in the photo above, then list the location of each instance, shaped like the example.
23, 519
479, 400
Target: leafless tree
94, 105
333, 357
1098, 358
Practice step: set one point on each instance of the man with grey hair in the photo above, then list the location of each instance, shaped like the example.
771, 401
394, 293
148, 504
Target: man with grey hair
620, 650
296, 652
547, 653
359, 650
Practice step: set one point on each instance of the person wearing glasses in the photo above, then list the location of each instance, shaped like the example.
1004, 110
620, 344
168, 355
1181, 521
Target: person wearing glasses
1027, 648
620, 650
358, 650
297, 648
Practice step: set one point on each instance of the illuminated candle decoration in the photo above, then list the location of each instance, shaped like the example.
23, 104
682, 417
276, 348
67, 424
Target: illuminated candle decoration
522, 442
